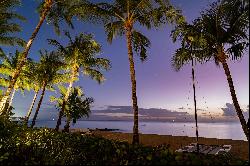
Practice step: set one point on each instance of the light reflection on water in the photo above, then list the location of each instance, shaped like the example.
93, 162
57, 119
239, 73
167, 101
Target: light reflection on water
208, 130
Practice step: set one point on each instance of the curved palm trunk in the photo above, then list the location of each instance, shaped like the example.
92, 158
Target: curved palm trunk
67, 125
133, 81
195, 109
11, 99
30, 109
234, 98
38, 106
59, 121
25, 55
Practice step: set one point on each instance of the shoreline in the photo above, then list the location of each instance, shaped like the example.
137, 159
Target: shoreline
239, 147
153, 121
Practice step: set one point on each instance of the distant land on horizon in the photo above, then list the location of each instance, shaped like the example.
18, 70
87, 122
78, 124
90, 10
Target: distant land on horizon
125, 113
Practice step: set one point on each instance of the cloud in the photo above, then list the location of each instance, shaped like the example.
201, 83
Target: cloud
230, 111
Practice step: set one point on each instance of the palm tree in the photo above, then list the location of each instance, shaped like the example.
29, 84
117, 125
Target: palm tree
225, 27
80, 56
55, 11
76, 107
7, 25
190, 51
35, 85
50, 73
7, 67
120, 19
46, 7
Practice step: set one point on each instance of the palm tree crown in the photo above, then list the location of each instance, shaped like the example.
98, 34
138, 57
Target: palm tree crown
225, 27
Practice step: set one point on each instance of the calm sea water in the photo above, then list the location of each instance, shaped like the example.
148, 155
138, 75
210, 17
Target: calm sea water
208, 130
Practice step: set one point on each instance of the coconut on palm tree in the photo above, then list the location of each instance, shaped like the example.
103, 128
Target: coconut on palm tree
225, 29
76, 107
50, 73
80, 54
122, 18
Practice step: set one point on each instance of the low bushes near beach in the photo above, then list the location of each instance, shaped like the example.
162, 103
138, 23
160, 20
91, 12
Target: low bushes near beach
25, 146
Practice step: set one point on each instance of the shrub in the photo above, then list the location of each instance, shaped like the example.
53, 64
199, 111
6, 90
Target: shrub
25, 146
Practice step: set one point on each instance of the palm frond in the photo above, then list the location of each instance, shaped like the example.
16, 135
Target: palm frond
94, 74
7, 25
114, 29
140, 44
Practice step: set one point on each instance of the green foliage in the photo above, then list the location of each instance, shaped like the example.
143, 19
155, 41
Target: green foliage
8, 66
50, 69
77, 106
7, 24
25, 146
225, 24
81, 53
140, 44
192, 44
119, 15
65, 10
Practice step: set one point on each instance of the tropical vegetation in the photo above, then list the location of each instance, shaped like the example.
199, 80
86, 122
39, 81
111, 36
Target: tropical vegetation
223, 32
48, 76
81, 56
220, 33
76, 105
25, 146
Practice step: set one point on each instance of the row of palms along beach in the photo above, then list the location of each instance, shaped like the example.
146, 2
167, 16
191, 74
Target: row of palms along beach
219, 33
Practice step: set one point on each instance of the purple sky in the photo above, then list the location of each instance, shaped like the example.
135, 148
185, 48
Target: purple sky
158, 85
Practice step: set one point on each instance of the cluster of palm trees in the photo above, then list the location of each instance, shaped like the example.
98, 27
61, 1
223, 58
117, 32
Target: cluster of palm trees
223, 26
221, 32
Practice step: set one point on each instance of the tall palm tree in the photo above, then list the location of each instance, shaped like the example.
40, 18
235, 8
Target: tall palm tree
80, 56
54, 10
7, 67
7, 24
225, 27
50, 73
34, 76
190, 51
121, 17
47, 6
76, 107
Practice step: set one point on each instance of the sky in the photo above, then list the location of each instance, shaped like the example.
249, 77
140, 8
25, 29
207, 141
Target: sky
158, 84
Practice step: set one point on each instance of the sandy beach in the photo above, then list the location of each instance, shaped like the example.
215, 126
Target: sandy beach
239, 147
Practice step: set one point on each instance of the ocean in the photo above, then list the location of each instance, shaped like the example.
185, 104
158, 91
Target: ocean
208, 130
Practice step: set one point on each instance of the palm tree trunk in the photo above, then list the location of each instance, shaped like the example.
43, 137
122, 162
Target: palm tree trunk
11, 99
67, 125
3, 104
18, 70
133, 81
59, 121
30, 109
195, 109
234, 98
39, 105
